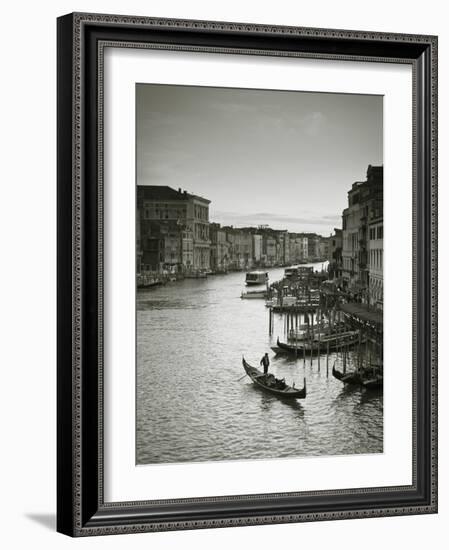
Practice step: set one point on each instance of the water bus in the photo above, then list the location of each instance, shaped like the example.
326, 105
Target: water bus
256, 278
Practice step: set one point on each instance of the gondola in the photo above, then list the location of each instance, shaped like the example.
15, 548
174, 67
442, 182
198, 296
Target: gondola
362, 378
324, 344
273, 385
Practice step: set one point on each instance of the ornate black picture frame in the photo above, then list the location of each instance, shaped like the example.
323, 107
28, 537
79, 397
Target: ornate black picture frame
81, 510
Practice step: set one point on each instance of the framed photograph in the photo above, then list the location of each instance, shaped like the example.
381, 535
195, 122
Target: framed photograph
247, 279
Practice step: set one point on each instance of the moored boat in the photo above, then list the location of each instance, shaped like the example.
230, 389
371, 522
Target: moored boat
369, 378
253, 294
269, 383
306, 332
323, 344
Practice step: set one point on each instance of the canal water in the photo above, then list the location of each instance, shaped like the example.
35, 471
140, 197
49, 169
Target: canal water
191, 405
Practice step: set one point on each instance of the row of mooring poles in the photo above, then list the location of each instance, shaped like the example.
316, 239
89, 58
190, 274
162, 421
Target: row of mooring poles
324, 320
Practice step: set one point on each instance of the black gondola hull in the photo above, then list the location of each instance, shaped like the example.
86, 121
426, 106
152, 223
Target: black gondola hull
357, 379
315, 349
287, 393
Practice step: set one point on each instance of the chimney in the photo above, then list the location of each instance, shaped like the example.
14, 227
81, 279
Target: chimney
179, 190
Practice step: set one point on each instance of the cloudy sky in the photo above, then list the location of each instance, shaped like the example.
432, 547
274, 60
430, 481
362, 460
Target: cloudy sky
286, 159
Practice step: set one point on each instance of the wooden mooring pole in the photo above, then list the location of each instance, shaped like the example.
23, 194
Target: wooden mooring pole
311, 339
319, 337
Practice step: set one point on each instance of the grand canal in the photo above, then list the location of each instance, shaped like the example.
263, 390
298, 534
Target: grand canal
191, 405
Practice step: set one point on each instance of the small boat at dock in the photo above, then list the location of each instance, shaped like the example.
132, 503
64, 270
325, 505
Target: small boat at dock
273, 385
306, 332
329, 342
369, 378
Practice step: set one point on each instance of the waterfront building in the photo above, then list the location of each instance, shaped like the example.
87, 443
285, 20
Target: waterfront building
313, 246
219, 248
304, 250
284, 248
323, 248
294, 248
362, 198
275, 246
270, 250
240, 247
173, 229
174, 234
187, 249
298, 248
198, 220
376, 288
246, 249
334, 254
257, 248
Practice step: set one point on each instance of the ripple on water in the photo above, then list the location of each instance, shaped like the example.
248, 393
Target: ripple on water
191, 406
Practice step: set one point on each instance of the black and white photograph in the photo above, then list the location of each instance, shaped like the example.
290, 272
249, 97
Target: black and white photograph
207, 341
259, 274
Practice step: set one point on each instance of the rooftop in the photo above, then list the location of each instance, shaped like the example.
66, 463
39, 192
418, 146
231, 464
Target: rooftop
166, 193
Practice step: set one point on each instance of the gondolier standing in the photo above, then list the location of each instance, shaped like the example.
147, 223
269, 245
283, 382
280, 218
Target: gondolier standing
265, 361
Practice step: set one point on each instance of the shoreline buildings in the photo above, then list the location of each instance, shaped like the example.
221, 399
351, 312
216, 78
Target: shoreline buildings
334, 253
174, 235
362, 239
172, 230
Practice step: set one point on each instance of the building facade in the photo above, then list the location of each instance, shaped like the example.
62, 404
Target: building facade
323, 248
334, 254
257, 248
313, 246
174, 235
299, 250
198, 223
220, 251
364, 198
173, 230
240, 242
376, 260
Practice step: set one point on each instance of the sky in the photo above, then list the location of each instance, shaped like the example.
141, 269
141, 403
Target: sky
282, 158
